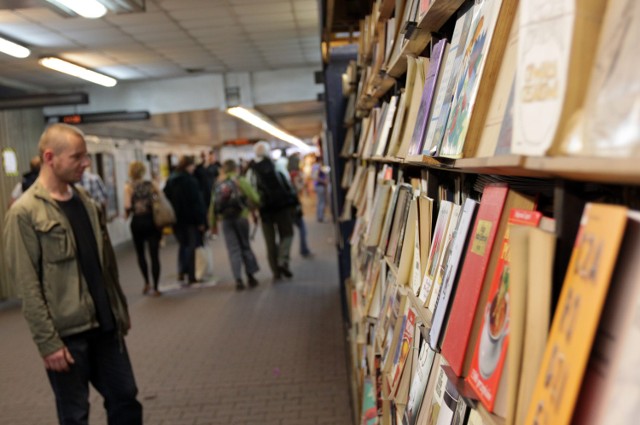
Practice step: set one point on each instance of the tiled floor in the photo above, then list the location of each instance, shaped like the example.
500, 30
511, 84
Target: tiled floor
213, 355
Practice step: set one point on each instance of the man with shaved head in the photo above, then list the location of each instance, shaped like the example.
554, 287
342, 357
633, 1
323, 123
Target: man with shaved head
60, 257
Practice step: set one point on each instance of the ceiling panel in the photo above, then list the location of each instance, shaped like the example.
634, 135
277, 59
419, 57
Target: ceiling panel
264, 8
186, 14
174, 38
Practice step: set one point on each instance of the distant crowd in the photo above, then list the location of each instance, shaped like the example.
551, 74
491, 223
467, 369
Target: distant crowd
61, 260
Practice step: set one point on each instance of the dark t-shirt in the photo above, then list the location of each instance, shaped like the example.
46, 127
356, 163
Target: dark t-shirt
88, 257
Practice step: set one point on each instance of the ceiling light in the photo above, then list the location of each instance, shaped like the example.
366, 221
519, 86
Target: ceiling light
77, 71
256, 120
91, 9
12, 49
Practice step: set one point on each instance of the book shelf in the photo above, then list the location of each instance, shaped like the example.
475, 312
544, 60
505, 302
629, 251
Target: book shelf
553, 184
440, 11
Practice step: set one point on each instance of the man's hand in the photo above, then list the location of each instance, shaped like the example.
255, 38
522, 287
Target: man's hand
59, 361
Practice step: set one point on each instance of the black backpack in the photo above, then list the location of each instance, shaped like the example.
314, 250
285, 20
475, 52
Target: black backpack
228, 199
275, 191
142, 198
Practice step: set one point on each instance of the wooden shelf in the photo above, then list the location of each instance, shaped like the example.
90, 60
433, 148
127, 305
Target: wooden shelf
382, 86
460, 383
378, 88
391, 266
386, 9
437, 15
601, 170
423, 314
489, 418
508, 165
425, 160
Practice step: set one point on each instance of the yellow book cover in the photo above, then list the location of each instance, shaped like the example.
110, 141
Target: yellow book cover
577, 315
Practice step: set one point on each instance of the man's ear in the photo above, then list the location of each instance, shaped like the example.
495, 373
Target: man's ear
47, 155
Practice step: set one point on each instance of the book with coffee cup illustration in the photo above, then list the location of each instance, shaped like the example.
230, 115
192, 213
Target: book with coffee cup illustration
489, 358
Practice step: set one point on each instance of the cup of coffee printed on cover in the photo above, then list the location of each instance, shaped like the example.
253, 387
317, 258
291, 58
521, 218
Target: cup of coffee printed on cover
496, 327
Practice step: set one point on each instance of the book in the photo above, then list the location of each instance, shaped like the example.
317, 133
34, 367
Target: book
410, 92
425, 208
369, 415
475, 418
478, 268
406, 247
491, 347
444, 92
405, 228
419, 383
403, 349
365, 130
403, 12
449, 281
426, 405
577, 315
383, 138
397, 126
612, 92
379, 207
401, 392
437, 400
390, 328
422, 118
399, 219
444, 214
416, 269
496, 134
375, 124
484, 47
449, 404
609, 393
413, 107
374, 304
388, 218
430, 303
555, 60
532, 257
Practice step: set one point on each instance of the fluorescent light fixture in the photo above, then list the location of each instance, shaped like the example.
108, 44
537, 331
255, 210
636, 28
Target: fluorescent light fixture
77, 71
91, 9
12, 49
254, 118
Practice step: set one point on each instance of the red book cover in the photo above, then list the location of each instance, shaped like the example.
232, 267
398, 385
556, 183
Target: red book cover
491, 346
463, 309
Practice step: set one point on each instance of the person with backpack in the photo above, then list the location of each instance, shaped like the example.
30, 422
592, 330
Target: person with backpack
138, 204
231, 202
277, 205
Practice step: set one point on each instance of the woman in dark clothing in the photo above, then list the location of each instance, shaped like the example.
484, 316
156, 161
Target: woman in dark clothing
138, 202
185, 196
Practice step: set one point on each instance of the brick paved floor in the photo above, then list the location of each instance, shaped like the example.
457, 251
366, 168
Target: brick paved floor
213, 355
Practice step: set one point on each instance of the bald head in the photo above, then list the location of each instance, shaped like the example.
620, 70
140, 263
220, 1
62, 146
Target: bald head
64, 156
57, 137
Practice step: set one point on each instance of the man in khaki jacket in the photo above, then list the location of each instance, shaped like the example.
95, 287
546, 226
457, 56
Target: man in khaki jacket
61, 259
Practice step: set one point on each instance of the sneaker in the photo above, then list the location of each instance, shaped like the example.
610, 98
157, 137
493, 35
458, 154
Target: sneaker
284, 269
253, 282
239, 285
155, 293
